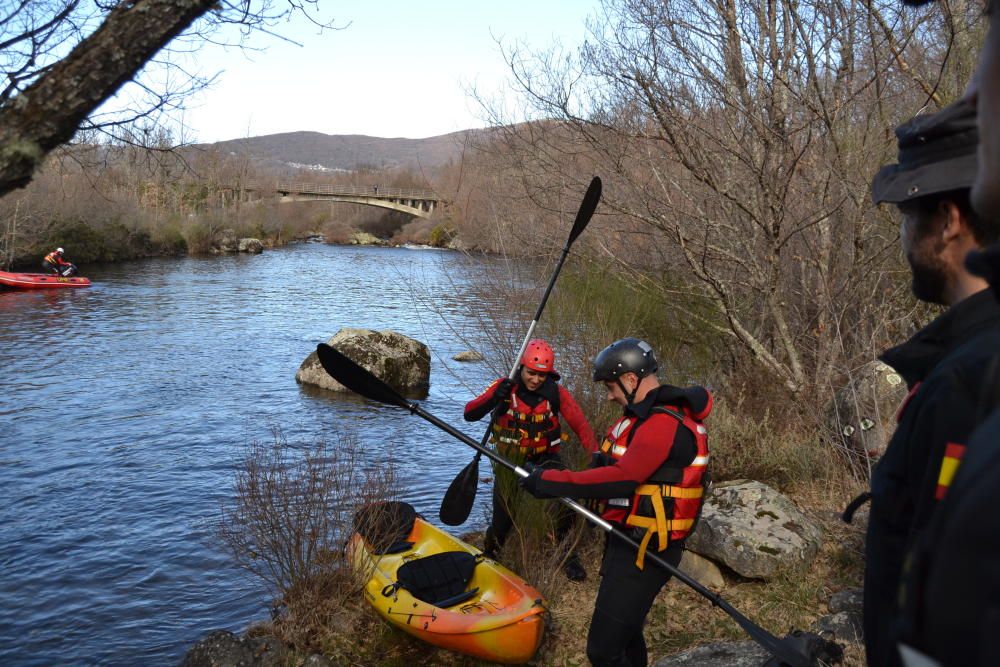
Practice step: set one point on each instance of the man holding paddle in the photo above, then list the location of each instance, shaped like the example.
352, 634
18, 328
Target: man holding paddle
527, 429
651, 470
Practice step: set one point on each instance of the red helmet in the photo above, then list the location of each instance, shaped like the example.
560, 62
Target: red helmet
538, 356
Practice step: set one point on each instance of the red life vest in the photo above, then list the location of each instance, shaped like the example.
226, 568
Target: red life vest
53, 258
669, 502
528, 431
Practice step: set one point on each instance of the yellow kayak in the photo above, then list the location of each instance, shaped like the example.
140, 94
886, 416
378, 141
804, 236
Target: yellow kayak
442, 590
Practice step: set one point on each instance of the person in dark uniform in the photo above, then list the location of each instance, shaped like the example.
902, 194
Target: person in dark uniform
943, 363
951, 596
529, 430
652, 472
950, 602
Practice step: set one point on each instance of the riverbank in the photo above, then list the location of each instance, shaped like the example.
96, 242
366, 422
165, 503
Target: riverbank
821, 597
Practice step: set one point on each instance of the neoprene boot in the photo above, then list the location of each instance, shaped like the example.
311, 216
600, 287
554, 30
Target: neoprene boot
491, 547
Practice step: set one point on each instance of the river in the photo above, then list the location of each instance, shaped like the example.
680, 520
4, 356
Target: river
125, 408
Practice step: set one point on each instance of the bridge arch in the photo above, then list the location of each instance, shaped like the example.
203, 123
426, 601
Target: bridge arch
418, 203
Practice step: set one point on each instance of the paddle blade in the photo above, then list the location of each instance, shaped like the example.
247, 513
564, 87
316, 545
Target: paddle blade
457, 503
587, 208
357, 379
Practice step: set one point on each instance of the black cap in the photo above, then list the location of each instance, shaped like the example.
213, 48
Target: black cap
937, 153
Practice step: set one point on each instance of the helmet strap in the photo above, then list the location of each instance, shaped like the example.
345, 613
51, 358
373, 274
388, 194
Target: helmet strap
629, 395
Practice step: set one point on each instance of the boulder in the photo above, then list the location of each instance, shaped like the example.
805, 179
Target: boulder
226, 242
719, 654
401, 362
220, 648
845, 619
252, 246
364, 238
850, 599
468, 355
754, 530
704, 571
269, 651
844, 625
862, 415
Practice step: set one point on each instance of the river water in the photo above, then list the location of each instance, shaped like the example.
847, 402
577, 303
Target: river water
125, 409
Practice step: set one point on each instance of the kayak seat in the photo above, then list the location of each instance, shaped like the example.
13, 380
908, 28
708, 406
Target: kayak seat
385, 525
440, 579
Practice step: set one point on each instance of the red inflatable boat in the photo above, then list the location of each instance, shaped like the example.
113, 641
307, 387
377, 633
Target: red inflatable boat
40, 281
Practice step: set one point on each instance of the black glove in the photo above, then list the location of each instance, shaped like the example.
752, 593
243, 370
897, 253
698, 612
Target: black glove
600, 460
530, 483
502, 391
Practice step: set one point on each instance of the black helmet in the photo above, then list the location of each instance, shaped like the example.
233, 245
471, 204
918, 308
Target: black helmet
628, 355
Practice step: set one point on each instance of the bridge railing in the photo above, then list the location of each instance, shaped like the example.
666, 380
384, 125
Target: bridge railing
354, 191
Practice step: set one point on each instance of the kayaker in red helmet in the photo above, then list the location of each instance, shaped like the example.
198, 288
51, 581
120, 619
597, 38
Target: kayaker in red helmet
54, 262
529, 430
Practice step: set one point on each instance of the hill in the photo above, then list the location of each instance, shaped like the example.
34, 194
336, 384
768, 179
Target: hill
347, 151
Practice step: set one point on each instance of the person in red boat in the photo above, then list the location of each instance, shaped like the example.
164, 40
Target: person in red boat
528, 429
55, 263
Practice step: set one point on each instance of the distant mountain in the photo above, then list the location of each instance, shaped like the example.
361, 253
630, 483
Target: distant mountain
348, 151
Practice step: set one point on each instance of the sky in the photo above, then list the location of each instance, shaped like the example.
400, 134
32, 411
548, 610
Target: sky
396, 69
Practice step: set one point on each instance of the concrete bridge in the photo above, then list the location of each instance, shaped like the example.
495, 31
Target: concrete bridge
418, 203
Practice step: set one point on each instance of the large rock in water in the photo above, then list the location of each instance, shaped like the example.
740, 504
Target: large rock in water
862, 415
401, 362
754, 530
251, 246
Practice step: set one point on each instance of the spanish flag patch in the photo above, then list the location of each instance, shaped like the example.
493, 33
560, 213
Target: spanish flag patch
949, 466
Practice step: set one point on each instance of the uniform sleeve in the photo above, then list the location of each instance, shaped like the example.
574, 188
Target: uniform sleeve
570, 410
481, 405
948, 417
648, 450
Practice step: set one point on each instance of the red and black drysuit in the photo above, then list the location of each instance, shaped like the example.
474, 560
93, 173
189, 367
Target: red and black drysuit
658, 442
529, 430
54, 262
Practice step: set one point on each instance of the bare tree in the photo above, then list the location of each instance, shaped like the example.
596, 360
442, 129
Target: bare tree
65, 58
738, 139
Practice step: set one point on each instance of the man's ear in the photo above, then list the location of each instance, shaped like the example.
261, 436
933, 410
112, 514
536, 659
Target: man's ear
953, 225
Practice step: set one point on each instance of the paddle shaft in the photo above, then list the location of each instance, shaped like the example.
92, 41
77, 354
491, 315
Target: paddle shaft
759, 634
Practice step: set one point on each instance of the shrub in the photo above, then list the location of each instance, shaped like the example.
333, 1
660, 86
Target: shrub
292, 510
441, 236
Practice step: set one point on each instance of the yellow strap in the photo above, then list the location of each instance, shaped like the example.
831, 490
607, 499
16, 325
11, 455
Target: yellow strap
652, 525
670, 491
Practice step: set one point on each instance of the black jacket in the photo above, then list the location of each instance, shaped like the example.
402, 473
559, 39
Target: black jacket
944, 366
951, 598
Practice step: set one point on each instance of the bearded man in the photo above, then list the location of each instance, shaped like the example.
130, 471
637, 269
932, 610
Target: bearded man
943, 364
